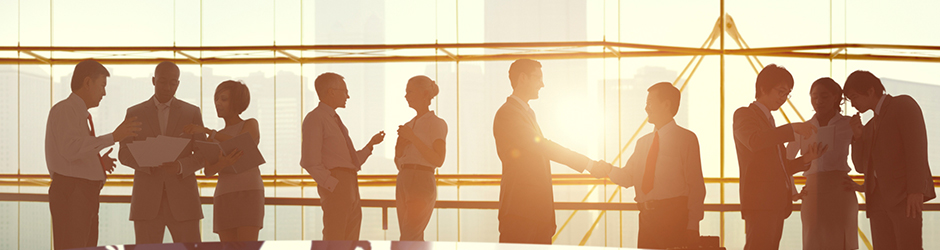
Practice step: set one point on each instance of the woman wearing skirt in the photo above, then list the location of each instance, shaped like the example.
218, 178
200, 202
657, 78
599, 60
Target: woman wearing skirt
239, 197
830, 208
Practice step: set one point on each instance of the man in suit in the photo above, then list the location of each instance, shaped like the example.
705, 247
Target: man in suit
891, 150
526, 204
767, 189
667, 171
165, 196
76, 168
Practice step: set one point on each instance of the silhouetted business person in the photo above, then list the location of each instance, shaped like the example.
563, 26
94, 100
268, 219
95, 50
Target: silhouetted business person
891, 150
419, 151
767, 189
526, 204
327, 153
166, 196
666, 170
75, 166
830, 210
238, 202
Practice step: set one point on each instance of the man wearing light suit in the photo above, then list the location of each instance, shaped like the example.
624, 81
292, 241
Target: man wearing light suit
766, 174
891, 150
526, 204
165, 196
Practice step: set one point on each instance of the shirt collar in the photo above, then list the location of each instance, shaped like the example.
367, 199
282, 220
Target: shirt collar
77, 103
157, 103
880, 102
329, 110
667, 127
763, 109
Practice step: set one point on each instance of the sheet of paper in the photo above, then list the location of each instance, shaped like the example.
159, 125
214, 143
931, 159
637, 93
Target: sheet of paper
155, 151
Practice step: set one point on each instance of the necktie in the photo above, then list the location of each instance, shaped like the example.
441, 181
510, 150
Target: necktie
162, 108
650, 173
91, 126
349, 145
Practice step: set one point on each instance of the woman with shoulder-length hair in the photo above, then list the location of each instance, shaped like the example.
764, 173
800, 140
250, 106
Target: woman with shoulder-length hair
830, 210
419, 151
239, 197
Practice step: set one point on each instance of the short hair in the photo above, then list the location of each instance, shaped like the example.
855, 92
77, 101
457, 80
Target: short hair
424, 83
830, 86
87, 68
521, 66
666, 91
325, 81
770, 77
238, 95
861, 81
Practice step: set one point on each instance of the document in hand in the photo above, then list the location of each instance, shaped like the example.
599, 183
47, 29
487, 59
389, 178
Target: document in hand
157, 150
251, 157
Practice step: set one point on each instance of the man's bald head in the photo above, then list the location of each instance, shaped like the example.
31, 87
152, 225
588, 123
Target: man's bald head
169, 68
166, 79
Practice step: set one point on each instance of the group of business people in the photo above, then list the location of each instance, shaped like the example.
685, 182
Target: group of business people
665, 167
890, 150
164, 196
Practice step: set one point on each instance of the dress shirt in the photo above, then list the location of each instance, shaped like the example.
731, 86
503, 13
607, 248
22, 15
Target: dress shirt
835, 157
678, 170
428, 128
878, 106
163, 112
323, 146
71, 150
589, 164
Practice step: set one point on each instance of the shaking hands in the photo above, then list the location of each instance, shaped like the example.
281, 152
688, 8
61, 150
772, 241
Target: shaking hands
600, 169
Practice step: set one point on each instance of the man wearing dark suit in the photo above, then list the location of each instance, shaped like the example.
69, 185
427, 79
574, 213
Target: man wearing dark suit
891, 150
766, 174
165, 196
526, 204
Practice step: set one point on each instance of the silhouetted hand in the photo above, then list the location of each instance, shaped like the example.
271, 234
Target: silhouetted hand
601, 169
377, 138
815, 151
407, 132
195, 129
128, 128
803, 129
915, 204
856, 124
225, 160
851, 185
107, 163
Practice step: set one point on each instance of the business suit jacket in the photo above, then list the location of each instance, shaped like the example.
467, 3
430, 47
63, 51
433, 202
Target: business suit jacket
761, 160
526, 185
894, 144
181, 190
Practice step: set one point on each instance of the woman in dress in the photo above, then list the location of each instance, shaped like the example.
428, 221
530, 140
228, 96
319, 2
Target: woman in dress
830, 210
239, 197
419, 151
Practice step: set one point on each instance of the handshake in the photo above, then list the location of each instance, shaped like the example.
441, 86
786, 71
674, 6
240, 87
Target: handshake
600, 169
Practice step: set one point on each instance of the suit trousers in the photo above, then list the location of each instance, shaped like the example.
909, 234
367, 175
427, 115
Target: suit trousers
73, 203
342, 213
415, 195
152, 231
892, 229
763, 229
663, 223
